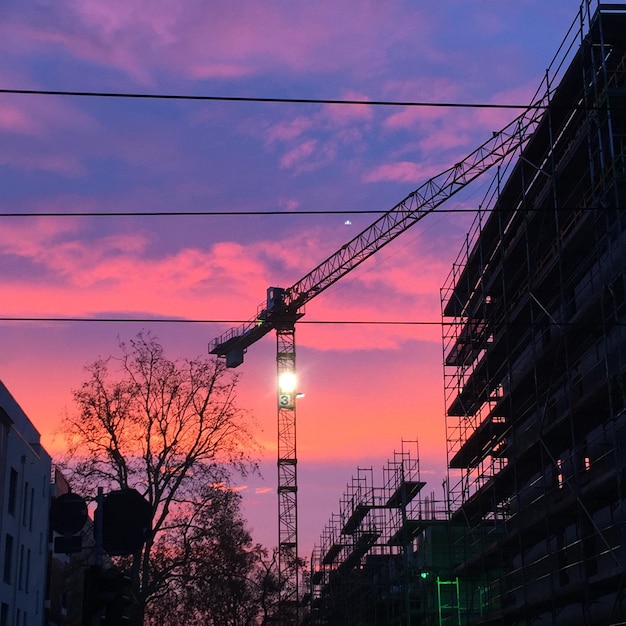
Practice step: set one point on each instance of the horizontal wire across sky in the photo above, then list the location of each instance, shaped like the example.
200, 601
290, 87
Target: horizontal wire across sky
166, 213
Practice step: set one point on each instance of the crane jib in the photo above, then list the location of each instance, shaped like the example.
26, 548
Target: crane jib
285, 306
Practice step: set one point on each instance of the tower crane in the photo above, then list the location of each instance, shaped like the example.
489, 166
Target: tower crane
283, 307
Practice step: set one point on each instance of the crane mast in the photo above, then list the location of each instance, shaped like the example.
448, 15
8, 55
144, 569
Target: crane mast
284, 307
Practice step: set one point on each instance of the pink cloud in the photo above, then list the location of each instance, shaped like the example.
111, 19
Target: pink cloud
64, 164
443, 130
344, 114
14, 119
421, 89
404, 171
448, 139
76, 276
42, 116
95, 43
311, 143
202, 41
218, 70
238, 488
288, 130
299, 156
289, 204
413, 117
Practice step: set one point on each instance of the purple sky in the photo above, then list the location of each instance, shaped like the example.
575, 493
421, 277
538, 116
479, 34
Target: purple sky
366, 387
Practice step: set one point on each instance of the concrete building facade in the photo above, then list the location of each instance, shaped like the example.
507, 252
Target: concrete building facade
25, 476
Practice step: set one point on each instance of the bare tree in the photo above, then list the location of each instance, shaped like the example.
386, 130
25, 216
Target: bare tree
167, 428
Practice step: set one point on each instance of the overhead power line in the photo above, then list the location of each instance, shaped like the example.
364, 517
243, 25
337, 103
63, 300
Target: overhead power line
201, 213
166, 213
270, 100
166, 320
162, 320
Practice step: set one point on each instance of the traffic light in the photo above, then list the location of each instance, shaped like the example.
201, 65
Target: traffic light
91, 598
121, 600
108, 595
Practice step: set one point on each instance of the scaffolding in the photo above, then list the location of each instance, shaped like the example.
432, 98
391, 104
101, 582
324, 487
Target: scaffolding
534, 340
530, 528
372, 565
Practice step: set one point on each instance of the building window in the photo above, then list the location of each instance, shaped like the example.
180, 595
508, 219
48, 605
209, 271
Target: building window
8, 558
20, 569
12, 492
28, 571
559, 475
32, 508
25, 503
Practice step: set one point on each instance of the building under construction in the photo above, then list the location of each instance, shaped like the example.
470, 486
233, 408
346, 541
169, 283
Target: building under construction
535, 360
365, 570
532, 524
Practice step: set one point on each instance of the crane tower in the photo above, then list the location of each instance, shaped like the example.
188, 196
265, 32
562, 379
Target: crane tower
283, 307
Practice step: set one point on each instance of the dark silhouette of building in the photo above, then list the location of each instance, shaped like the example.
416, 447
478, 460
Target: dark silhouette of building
24, 501
535, 360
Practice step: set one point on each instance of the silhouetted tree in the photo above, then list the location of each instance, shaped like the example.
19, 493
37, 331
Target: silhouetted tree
215, 575
271, 588
208, 562
171, 430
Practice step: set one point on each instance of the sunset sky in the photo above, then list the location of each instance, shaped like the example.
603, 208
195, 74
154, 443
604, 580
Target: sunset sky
367, 387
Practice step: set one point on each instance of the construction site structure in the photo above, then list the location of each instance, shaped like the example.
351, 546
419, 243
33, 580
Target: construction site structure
372, 564
534, 343
534, 319
283, 307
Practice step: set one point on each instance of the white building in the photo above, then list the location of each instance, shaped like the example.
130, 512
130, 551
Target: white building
25, 470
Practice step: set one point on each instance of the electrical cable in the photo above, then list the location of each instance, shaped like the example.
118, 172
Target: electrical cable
162, 320
168, 213
165, 320
207, 213
270, 100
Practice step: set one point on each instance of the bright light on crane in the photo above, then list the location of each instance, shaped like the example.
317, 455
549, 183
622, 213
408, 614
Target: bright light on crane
287, 382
